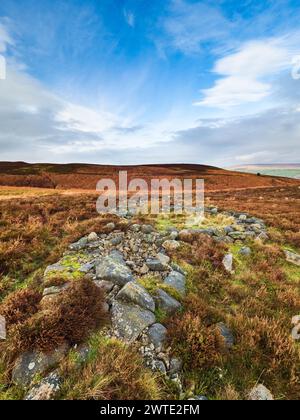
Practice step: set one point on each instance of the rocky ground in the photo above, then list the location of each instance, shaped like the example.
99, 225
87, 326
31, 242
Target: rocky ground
121, 262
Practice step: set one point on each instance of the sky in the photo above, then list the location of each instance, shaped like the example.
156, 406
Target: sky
136, 81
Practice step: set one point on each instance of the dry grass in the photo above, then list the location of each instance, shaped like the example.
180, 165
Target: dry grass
36, 231
257, 303
113, 371
279, 207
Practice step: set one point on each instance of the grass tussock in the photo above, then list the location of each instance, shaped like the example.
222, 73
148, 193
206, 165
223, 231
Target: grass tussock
113, 371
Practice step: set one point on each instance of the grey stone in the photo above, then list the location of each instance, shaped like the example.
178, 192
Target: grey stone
110, 227
105, 285
112, 269
238, 235
175, 365
292, 257
228, 263
166, 303
79, 245
135, 228
177, 281
93, 237
227, 334
129, 321
177, 268
245, 251
134, 292
198, 398
46, 389
160, 263
85, 268
29, 364
55, 290
228, 229
118, 256
158, 365
117, 240
260, 393
157, 334
147, 229
59, 268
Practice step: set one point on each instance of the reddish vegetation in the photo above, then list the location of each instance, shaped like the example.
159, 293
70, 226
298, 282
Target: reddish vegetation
87, 176
279, 207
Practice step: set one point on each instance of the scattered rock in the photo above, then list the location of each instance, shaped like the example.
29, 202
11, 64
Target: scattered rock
134, 292
110, 227
166, 303
158, 365
129, 321
175, 365
157, 334
78, 246
55, 290
177, 281
260, 393
93, 237
111, 269
292, 257
146, 229
29, 364
135, 228
245, 251
46, 389
228, 263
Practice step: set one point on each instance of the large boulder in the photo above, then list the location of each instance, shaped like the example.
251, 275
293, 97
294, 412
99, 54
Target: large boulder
129, 321
177, 281
134, 292
114, 270
166, 303
30, 364
46, 389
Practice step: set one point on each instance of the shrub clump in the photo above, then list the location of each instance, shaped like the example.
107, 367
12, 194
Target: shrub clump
76, 313
199, 345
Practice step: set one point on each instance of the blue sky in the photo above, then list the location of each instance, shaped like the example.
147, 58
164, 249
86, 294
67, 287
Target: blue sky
138, 81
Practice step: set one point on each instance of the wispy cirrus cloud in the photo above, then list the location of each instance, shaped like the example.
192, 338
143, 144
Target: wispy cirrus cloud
129, 18
188, 27
247, 75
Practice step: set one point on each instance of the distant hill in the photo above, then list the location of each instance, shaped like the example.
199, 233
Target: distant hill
288, 170
86, 176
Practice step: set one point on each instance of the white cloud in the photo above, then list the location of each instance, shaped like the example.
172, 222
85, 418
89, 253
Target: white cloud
190, 25
5, 39
247, 75
129, 17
